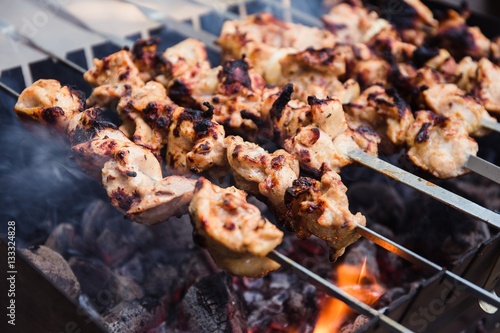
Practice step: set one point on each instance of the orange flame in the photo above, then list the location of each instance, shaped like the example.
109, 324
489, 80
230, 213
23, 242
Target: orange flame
357, 282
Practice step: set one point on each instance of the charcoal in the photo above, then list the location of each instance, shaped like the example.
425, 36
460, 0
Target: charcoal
160, 279
359, 322
211, 305
134, 316
55, 268
114, 247
105, 288
132, 268
63, 240
390, 296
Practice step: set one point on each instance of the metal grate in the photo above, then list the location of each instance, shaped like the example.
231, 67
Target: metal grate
35, 55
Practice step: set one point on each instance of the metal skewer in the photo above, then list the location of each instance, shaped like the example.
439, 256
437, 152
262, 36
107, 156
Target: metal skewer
426, 187
483, 168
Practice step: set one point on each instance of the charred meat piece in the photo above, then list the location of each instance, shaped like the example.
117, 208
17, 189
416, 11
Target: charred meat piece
351, 23
316, 72
323, 143
189, 73
112, 77
233, 231
466, 74
266, 29
265, 40
385, 111
439, 145
49, 103
320, 208
195, 141
414, 21
148, 60
145, 114
261, 173
452, 102
487, 89
461, 40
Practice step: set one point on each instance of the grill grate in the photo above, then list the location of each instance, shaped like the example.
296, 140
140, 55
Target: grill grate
203, 25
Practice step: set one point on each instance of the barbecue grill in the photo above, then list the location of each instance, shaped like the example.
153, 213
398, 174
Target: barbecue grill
450, 298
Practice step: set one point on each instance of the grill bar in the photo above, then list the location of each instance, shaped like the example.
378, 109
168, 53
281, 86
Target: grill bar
17, 36
177, 25
421, 261
330, 289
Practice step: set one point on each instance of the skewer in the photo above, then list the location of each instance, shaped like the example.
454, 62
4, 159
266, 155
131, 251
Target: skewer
483, 168
459, 203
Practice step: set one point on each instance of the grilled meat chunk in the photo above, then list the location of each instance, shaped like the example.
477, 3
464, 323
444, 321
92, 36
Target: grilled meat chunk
259, 172
265, 40
112, 77
461, 40
439, 145
385, 111
195, 141
351, 23
233, 231
145, 114
487, 89
452, 102
320, 208
49, 103
148, 60
414, 21
319, 137
189, 73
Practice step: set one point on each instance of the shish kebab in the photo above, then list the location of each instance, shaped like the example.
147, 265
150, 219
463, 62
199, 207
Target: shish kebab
423, 186
278, 57
412, 181
472, 162
239, 237
277, 256
128, 164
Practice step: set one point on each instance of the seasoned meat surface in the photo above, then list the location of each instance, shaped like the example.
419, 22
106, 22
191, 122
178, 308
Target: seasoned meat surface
233, 231
49, 103
452, 102
195, 141
112, 77
262, 173
440, 145
320, 208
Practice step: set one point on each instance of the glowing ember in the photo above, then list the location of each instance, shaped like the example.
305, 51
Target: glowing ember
356, 281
